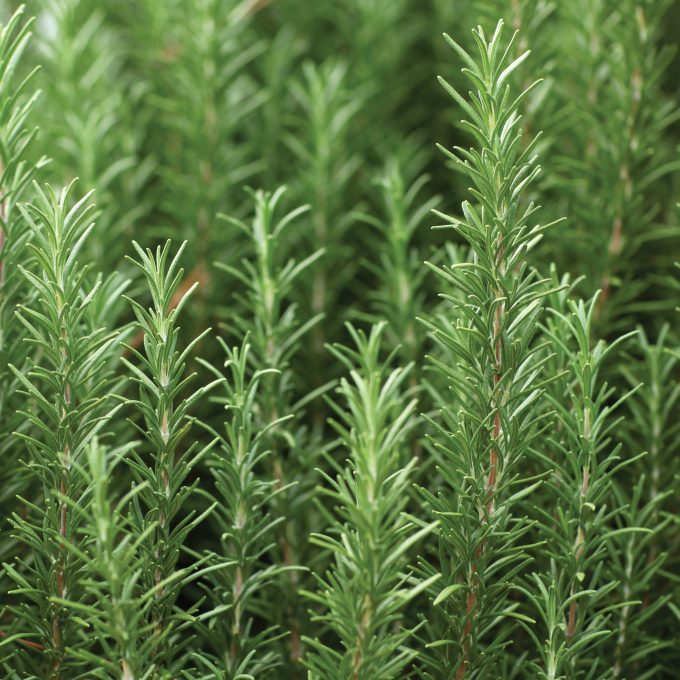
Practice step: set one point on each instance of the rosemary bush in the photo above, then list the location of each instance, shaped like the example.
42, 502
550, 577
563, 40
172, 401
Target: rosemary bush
308, 369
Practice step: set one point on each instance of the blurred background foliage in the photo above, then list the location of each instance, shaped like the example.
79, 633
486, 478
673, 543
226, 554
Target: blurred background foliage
168, 108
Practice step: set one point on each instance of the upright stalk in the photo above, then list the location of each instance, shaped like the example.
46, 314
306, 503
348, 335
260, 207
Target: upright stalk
69, 384
164, 406
612, 80
243, 575
368, 584
268, 318
399, 297
638, 559
573, 595
494, 373
326, 169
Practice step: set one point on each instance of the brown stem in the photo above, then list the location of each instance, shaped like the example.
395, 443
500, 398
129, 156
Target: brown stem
470, 605
497, 341
494, 455
615, 245
571, 626
497, 422
23, 641
361, 635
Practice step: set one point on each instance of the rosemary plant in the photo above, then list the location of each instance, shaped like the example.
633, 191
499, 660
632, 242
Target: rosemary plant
85, 125
270, 325
68, 404
266, 500
238, 579
573, 596
327, 111
619, 159
164, 407
639, 560
495, 373
398, 296
212, 97
363, 594
116, 609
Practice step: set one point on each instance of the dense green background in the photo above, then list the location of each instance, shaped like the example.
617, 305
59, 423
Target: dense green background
168, 108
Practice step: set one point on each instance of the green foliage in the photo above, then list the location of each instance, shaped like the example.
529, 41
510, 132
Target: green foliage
16, 172
363, 594
68, 402
618, 174
115, 607
373, 467
398, 298
269, 322
581, 469
495, 373
239, 578
80, 61
320, 144
164, 409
